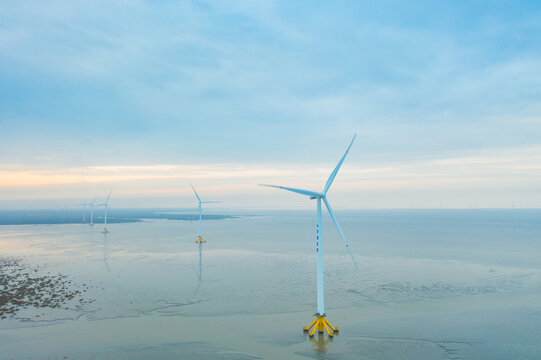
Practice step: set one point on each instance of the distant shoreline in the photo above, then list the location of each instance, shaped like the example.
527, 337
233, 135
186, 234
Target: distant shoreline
65, 217
115, 216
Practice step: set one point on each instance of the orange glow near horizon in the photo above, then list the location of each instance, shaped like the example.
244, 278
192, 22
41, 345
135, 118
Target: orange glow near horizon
503, 169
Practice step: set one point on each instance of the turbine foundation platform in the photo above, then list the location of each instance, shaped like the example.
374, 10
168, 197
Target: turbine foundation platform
105, 231
200, 240
320, 324
91, 224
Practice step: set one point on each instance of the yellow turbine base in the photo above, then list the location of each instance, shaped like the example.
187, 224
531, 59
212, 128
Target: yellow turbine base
200, 240
91, 224
105, 231
320, 324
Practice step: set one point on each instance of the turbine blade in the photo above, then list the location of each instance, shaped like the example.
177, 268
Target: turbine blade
329, 209
211, 202
333, 174
108, 196
298, 191
195, 192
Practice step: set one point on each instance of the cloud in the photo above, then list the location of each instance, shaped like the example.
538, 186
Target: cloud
87, 86
498, 173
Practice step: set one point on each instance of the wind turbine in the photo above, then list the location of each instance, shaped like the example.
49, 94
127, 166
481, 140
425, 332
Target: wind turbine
91, 223
200, 239
91, 203
84, 204
106, 205
321, 323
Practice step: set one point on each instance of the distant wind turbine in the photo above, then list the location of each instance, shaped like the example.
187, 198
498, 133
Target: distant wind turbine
200, 239
106, 205
84, 204
92, 204
320, 323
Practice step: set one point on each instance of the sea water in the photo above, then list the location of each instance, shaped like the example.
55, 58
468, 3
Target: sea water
431, 284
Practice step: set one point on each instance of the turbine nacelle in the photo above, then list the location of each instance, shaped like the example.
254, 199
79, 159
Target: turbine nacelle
314, 195
106, 203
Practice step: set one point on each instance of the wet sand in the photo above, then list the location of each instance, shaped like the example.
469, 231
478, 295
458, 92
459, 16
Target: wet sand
143, 296
24, 286
375, 332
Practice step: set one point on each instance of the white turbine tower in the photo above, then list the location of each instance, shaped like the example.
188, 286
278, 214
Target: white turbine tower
92, 204
200, 239
106, 205
320, 323
84, 204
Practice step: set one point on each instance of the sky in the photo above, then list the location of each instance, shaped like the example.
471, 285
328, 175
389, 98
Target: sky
143, 97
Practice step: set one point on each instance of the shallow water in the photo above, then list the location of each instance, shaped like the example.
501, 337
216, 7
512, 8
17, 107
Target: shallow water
434, 284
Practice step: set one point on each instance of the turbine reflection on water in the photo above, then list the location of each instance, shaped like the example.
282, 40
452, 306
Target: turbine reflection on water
200, 273
320, 344
105, 251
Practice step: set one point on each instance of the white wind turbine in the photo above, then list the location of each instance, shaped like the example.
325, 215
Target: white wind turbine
320, 323
200, 239
92, 204
106, 205
84, 204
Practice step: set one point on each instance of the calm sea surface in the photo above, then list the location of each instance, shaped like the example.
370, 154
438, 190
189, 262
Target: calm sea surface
431, 284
